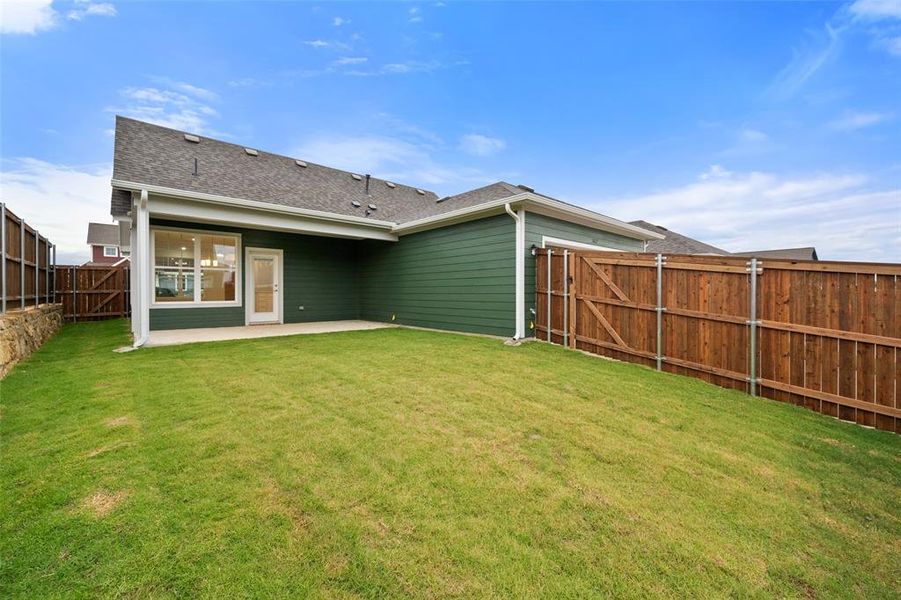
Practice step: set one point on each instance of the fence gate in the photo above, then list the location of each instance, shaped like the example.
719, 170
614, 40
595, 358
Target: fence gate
824, 335
93, 293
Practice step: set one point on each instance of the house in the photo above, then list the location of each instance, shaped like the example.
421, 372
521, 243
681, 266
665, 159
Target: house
805, 253
226, 235
105, 245
675, 243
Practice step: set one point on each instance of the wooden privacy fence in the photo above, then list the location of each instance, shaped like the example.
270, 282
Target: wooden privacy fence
824, 335
26, 263
93, 293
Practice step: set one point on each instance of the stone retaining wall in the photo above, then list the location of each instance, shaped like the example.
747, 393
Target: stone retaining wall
24, 331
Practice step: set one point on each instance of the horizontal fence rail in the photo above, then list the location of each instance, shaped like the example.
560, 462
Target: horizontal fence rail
824, 335
92, 293
26, 263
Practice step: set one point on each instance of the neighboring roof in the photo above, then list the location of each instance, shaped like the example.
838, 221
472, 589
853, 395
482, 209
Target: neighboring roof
676, 243
154, 156
101, 234
805, 253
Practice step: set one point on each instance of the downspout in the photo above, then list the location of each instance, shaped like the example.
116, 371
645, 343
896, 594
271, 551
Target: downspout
142, 253
519, 220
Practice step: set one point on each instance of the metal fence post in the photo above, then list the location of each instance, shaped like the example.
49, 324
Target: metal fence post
2, 257
54, 273
47, 273
550, 260
74, 295
22, 263
752, 342
37, 268
660, 309
566, 298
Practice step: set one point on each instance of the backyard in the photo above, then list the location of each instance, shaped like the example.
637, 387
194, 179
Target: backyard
400, 462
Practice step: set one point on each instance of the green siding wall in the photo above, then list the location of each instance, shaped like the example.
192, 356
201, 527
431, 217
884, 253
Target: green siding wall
540, 225
320, 274
459, 278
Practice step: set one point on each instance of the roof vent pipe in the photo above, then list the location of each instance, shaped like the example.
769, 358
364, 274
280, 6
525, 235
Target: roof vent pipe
367, 183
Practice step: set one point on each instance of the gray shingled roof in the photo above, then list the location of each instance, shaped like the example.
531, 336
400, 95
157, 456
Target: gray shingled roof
676, 243
101, 234
805, 253
160, 156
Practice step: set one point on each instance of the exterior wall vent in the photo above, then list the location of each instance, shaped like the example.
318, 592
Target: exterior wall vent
251, 152
192, 138
357, 177
390, 185
420, 192
355, 203
300, 163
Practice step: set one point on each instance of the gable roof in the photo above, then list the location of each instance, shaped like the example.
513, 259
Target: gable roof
101, 234
804, 253
151, 156
160, 156
676, 243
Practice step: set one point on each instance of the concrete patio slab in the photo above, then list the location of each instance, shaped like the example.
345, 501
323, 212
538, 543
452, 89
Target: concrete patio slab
215, 334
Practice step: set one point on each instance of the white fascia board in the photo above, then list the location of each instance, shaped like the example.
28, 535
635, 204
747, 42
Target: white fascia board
250, 204
532, 203
206, 212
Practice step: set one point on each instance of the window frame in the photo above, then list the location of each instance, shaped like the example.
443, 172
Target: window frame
198, 277
113, 255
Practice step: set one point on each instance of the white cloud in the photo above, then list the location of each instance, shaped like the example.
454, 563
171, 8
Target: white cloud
892, 45
876, 9
339, 21
351, 60
84, 9
27, 16
753, 135
58, 200
169, 108
323, 44
414, 15
858, 120
806, 62
481, 145
839, 214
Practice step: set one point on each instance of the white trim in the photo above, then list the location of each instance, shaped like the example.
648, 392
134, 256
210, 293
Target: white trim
263, 206
196, 302
533, 203
115, 250
142, 246
562, 243
205, 212
248, 305
519, 220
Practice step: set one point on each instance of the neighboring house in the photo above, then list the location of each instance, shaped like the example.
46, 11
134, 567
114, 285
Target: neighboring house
223, 235
105, 245
805, 253
675, 243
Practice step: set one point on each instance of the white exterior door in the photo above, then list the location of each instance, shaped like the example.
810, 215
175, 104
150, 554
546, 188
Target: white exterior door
264, 295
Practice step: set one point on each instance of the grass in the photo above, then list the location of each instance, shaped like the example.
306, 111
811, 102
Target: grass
410, 463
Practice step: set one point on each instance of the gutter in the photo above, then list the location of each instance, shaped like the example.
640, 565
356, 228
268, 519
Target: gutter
520, 286
252, 204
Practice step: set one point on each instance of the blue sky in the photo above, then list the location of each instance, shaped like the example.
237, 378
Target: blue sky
747, 125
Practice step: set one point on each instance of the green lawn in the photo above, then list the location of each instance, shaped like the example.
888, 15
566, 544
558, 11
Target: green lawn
399, 462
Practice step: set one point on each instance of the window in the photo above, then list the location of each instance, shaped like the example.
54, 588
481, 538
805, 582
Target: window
182, 259
110, 251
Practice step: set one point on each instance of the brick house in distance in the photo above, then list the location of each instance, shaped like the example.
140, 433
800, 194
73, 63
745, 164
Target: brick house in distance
106, 247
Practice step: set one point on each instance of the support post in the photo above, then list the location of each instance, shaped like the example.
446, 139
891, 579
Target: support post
571, 291
752, 342
54, 273
660, 310
566, 297
2, 257
47, 273
550, 260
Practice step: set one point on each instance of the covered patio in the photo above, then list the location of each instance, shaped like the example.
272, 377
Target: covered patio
173, 337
